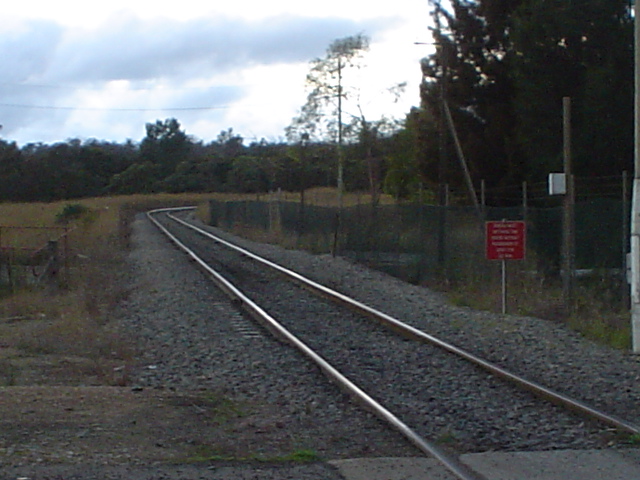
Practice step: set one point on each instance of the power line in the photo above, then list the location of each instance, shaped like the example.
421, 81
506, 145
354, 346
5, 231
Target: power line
130, 86
98, 109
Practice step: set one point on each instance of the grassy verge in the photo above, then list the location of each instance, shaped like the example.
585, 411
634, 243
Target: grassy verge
597, 312
64, 334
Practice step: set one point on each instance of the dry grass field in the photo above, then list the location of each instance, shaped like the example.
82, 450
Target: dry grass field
65, 395
63, 334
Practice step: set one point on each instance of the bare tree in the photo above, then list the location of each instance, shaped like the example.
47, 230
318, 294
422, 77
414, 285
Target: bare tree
322, 114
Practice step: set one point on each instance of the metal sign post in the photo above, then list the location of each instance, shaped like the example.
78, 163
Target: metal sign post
505, 240
504, 286
635, 202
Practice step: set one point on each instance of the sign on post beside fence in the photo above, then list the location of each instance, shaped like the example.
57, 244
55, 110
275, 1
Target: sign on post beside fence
505, 240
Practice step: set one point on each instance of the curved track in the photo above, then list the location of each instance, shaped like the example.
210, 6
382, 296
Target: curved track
426, 446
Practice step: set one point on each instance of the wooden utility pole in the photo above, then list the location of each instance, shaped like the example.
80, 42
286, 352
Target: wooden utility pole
463, 162
568, 224
340, 139
443, 163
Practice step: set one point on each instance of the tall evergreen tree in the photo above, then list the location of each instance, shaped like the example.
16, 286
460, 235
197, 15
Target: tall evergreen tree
583, 50
470, 71
503, 67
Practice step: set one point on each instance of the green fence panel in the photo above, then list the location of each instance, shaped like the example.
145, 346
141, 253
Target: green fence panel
418, 242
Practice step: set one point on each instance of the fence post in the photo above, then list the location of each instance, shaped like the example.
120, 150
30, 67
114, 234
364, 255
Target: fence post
525, 202
3, 258
336, 230
568, 266
10, 269
65, 258
442, 228
53, 267
624, 284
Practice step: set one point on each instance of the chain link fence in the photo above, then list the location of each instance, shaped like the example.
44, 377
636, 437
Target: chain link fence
421, 243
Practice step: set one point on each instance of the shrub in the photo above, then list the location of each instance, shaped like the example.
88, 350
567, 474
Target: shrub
71, 212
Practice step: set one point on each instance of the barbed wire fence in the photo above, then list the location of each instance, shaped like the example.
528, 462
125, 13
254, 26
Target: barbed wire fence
33, 257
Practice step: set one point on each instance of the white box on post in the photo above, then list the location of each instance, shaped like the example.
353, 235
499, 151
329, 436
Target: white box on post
557, 184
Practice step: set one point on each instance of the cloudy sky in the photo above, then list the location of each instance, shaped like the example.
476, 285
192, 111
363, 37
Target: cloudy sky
79, 69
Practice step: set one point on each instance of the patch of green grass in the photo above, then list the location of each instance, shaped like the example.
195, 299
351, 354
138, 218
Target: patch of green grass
302, 456
221, 408
598, 312
599, 329
74, 212
446, 438
634, 439
297, 456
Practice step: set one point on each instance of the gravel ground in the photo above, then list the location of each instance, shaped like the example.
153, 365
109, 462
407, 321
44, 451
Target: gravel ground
440, 396
195, 341
540, 350
260, 402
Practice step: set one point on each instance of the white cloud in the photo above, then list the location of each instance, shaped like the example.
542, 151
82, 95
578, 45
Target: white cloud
122, 64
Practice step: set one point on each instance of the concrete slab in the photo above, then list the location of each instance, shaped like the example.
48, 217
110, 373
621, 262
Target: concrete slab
555, 465
552, 465
391, 469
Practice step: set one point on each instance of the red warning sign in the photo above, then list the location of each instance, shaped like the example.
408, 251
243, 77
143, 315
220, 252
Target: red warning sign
505, 240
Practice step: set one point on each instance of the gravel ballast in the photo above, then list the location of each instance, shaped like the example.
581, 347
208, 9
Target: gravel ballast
440, 396
540, 350
193, 339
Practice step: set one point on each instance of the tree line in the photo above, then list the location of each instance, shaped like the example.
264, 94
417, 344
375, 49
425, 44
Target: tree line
496, 80
167, 159
504, 66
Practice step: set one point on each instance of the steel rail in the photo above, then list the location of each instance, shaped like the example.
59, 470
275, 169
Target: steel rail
450, 462
416, 334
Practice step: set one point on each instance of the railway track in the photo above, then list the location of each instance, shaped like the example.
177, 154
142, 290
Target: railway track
435, 390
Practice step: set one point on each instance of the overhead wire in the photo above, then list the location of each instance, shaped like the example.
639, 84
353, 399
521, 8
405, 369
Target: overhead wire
107, 109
